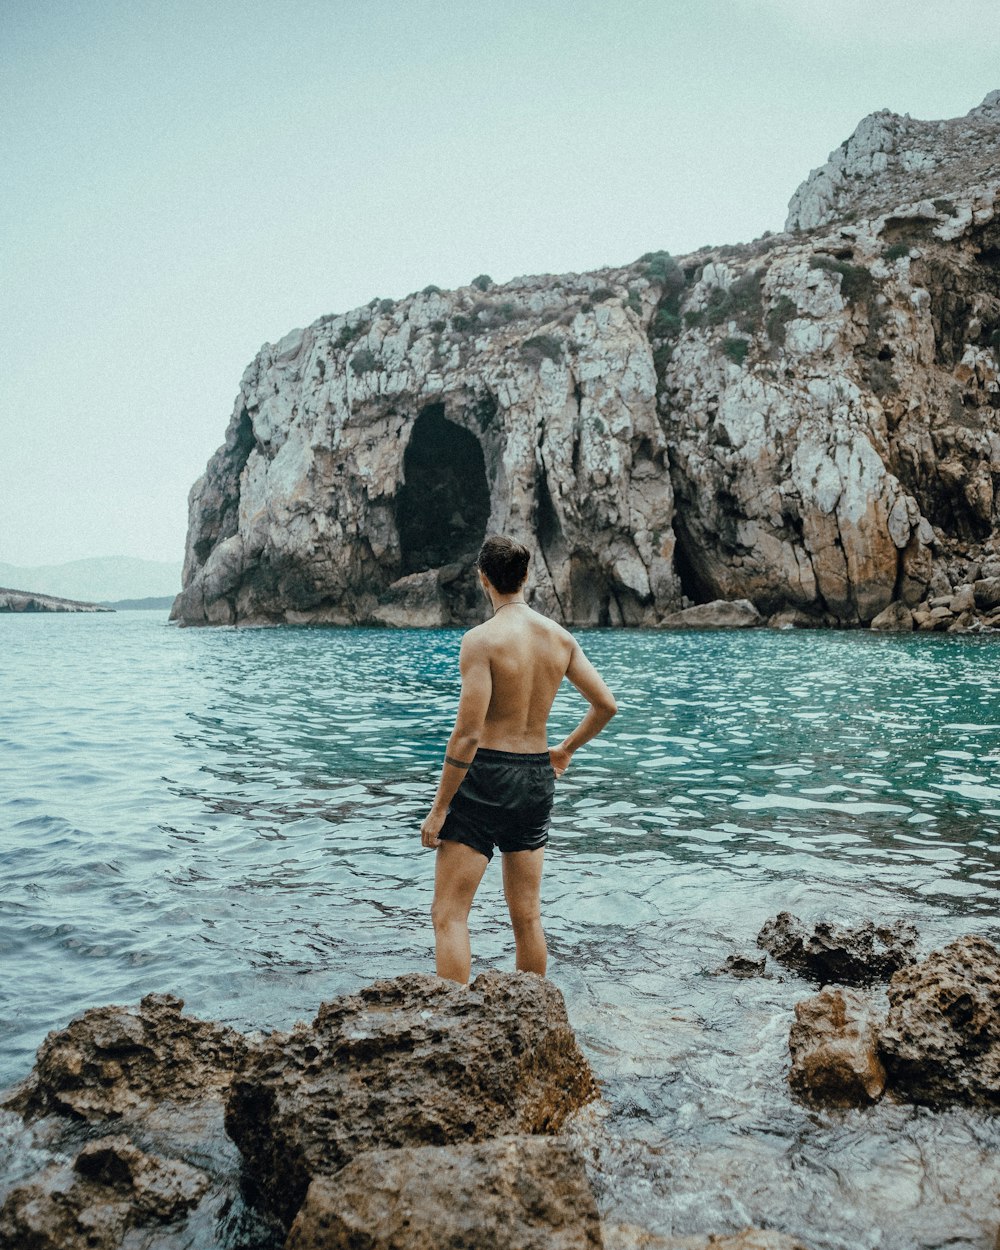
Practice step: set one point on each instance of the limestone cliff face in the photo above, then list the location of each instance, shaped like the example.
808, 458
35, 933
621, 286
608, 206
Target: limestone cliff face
811, 422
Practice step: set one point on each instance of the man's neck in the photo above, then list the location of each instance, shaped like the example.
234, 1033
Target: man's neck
506, 601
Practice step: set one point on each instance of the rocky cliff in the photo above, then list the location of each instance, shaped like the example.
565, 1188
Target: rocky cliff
810, 422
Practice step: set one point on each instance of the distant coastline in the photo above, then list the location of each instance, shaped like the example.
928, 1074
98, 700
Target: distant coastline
30, 601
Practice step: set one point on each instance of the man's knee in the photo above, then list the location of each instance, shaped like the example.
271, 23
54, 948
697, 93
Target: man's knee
443, 915
525, 916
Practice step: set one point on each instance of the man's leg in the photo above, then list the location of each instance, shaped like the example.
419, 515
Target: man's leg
457, 873
522, 880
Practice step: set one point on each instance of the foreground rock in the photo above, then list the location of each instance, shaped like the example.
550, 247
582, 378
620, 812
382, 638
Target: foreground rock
28, 601
415, 1061
833, 953
511, 1193
110, 1188
941, 1042
628, 1237
834, 1047
720, 614
116, 1061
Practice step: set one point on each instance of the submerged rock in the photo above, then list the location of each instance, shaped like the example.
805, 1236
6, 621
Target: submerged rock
838, 954
742, 966
834, 1048
511, 1193
719, 614
112, 1186
414, 1061
113, 1061
941, 1042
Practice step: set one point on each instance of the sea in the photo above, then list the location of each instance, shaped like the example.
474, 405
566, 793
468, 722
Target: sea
232, 816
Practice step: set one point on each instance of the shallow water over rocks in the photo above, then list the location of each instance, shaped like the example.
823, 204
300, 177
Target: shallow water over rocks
231, 816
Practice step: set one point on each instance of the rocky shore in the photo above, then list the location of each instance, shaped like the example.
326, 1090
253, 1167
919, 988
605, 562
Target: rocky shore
418, 1113
808, 424
28, 601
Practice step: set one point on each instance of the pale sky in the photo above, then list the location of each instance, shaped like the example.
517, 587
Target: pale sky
184, 180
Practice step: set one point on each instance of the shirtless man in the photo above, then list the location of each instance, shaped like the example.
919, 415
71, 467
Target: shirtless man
498, 779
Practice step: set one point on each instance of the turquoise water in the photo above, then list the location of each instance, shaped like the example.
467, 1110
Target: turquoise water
232, 816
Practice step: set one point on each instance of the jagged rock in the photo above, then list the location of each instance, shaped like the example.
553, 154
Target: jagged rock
111, 1187
829, 399
409, 1062
511, 1193
113, 1061
987, 593
941, 1042
719, 614
742, 966
896, 619
630, 1237
834, 1048
963, 600
840, 955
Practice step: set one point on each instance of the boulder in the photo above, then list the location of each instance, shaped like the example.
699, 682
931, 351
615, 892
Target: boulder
838, 954
719, 614
963, 600
834, 1048
895, 619
630, 1237
112, 1186
511, 1193
113, 1061
742, 966
414, 1061
941, 1042
987, 593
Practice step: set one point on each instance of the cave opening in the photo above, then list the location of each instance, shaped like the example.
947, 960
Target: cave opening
443, 504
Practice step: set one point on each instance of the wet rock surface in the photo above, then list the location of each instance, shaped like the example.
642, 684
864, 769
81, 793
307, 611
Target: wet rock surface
111, 1187
719, 614
834, 1048
831, 953
941, 1041
115, 1061
411, 1062
511, 1193
628, 1237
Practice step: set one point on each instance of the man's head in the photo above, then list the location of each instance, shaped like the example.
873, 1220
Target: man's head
504, 563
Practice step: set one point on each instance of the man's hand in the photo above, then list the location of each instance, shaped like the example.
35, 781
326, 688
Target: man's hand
430, 829
559, 758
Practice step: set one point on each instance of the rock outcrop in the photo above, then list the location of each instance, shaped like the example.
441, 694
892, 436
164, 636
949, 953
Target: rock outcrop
810, 422
412, 1062
511, 1193
834, 1048
628, 1237
119, 1061
111, 1187
836, 954
29, 601
941, 1042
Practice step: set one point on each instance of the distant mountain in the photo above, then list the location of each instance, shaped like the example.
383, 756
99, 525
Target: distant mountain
158, 603
102, 579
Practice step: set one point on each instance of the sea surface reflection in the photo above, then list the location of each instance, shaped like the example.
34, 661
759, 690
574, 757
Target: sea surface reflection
232, 816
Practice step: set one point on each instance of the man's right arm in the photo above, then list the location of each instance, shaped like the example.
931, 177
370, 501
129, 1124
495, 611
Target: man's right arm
591, 685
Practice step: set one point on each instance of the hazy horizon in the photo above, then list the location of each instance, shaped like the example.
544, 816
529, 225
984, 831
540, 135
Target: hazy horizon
188, 182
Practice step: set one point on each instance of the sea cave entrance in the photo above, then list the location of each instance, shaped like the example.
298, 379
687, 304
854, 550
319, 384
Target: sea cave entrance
444, 503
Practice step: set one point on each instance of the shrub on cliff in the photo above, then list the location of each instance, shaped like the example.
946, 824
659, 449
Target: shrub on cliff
856, 283
364, 361
778, 318
542, 346
736, 349
482, 283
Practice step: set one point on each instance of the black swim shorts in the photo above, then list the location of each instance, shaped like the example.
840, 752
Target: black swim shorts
504, 800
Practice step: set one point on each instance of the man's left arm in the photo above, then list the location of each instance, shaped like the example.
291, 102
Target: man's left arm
473, 703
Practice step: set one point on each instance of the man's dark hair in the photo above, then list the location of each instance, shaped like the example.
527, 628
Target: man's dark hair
504, 562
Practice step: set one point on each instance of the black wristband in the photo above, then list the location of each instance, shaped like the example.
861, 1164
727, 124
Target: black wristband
450, 759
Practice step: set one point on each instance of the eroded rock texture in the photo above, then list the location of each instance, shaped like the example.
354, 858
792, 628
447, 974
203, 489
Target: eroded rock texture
415, 1061
834, 1048
629, 1237
117, 1061
111, 1187
831, 953
810, 422
512, 1193
941, 1042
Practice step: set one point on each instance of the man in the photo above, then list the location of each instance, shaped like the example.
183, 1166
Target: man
498, 778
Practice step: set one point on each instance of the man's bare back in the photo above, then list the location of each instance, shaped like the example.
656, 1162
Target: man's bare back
493, 791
